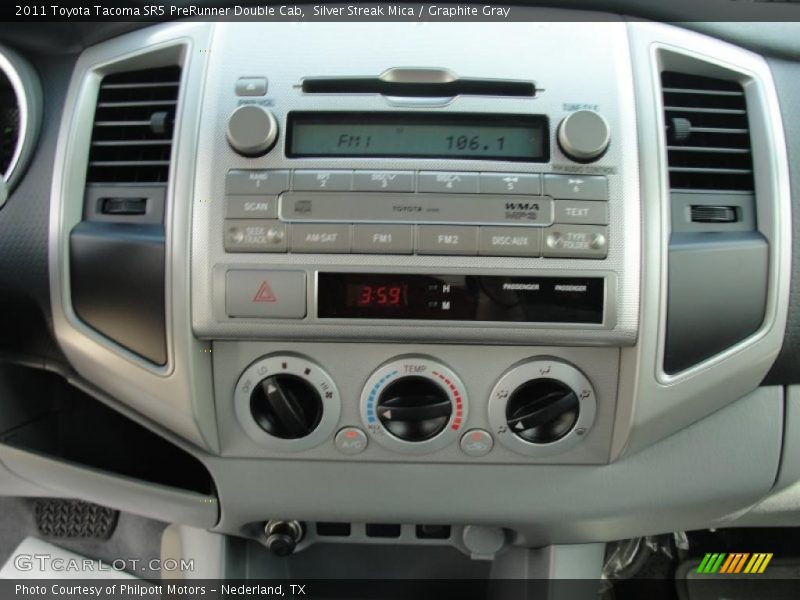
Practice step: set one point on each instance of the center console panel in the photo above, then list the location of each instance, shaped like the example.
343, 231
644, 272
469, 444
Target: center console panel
399, 200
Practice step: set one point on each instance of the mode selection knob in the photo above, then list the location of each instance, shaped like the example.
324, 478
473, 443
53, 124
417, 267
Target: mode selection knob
414, 404
252, 130
287, 402
584, 135
542, 407
542, 411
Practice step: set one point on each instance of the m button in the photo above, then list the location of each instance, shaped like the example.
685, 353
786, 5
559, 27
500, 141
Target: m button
265, 294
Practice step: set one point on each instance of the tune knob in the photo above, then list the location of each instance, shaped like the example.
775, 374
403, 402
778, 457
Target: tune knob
584, 135
542, 407
287, 402
414, 404
252, 130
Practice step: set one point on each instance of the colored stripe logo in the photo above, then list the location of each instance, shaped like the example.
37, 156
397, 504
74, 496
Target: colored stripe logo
736, 562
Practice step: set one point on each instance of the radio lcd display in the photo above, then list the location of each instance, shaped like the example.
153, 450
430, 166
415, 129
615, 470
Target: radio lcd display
521, 138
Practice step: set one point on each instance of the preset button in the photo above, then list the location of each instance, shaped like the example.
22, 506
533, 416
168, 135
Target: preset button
576, 187
383, 181
451, 183
511, 183
312, 181
250, 181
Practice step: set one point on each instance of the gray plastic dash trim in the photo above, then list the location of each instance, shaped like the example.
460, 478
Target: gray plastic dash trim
653, 404
660, 489
178, 395
123, 493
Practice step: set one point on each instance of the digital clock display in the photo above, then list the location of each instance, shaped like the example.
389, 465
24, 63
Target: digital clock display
460, 297
458, 135
365, 295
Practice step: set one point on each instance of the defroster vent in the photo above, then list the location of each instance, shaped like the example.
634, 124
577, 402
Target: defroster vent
133, 127
708, 137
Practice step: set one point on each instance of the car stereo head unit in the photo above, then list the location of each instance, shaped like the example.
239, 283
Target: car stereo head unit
431, 199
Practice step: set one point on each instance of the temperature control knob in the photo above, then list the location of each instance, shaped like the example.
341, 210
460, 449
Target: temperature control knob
414, 404
542, 407
584, 135
252, 130
287, 402
414, 409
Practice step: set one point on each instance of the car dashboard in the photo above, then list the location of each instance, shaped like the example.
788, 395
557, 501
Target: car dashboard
522, 284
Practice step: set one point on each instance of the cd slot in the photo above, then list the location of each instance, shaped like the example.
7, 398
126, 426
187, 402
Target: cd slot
420, 89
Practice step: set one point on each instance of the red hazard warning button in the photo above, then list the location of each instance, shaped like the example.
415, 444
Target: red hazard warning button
265, 294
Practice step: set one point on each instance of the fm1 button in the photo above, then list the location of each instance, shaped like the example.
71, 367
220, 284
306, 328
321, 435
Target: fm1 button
350, 440
477, 442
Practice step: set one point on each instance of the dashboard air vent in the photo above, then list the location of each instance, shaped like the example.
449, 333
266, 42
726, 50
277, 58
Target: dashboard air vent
133, 127
708, 138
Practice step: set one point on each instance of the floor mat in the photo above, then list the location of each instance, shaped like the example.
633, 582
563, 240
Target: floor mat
56, 517
134, 539
37, 559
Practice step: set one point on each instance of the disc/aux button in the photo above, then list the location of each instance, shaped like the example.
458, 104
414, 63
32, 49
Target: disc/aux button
510, 241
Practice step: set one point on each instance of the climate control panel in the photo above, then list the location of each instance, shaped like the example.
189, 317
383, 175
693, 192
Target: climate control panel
542, 407
498, 405
287, 402
414, 404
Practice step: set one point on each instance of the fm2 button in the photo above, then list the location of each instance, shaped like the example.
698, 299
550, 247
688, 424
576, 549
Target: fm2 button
350, 440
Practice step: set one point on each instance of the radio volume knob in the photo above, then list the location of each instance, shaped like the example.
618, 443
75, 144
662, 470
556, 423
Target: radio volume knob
252, 130
584, 135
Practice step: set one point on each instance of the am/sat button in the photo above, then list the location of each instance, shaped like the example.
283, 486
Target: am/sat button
321, 238
265, 294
